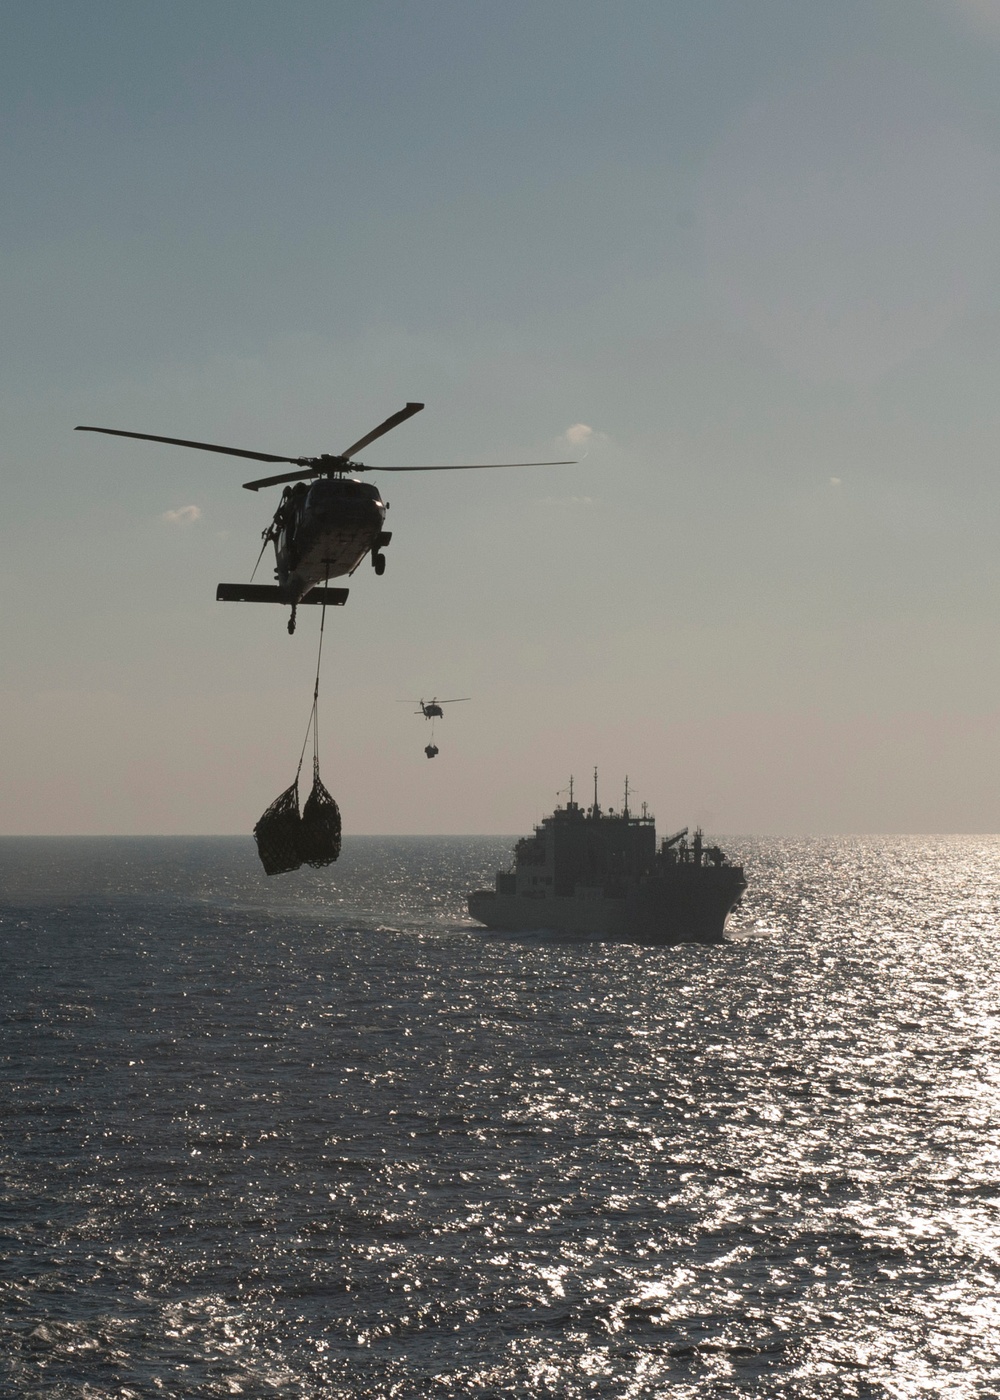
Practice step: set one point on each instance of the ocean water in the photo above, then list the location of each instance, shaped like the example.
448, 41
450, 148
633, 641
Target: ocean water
320, 1136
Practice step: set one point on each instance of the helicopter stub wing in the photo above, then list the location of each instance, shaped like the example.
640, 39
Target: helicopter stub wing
271, 593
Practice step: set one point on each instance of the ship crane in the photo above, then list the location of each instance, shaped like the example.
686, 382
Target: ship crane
668, 841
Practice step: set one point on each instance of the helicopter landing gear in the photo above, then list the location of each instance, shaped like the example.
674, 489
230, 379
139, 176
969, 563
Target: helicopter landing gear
378, 558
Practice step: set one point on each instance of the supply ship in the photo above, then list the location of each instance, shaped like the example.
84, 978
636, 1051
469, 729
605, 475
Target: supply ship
602, 875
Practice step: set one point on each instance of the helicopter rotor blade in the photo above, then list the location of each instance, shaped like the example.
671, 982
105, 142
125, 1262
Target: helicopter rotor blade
451, 702
183, 442
471, 466
392, 422
277, 480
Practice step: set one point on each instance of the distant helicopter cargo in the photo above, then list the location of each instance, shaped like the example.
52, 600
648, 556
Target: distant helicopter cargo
322, 530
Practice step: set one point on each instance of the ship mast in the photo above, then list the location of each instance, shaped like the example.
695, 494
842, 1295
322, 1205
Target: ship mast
625, 808
596, 808
570, 790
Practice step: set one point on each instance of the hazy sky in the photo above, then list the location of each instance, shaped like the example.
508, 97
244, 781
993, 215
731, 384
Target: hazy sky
752, 248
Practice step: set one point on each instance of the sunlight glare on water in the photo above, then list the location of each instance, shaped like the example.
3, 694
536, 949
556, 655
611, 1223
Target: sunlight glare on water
322, 1136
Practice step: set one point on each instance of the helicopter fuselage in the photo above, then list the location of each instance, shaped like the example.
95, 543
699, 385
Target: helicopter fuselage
324, 530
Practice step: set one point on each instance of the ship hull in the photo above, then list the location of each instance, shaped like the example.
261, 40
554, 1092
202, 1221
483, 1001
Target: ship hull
691, 907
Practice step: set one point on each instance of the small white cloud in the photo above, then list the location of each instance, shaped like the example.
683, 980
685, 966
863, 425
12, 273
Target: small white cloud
184, 515
581, 437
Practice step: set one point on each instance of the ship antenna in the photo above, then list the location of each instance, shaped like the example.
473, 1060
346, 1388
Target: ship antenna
562, 790
625, 809
596, 808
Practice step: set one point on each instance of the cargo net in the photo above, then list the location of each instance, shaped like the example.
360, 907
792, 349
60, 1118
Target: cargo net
287, 839
277, 833
319, 828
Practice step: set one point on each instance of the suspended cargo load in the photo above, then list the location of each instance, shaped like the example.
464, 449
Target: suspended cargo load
278, 833
287, 839
319, 831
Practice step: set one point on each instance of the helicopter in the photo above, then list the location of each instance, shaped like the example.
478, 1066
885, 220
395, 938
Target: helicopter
325, 523
433, 710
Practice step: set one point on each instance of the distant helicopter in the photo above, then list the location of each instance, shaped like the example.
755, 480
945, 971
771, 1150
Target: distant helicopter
433, 710
322, 530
